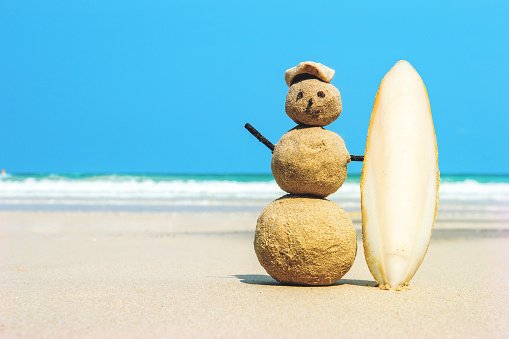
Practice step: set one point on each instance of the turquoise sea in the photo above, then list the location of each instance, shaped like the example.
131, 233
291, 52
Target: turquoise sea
481, 178
203, 191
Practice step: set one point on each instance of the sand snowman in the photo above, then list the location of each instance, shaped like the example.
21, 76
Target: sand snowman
303, 238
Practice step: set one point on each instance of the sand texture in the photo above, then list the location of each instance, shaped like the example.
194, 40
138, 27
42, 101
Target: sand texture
313, 102
128, 275
304, 240
310, 160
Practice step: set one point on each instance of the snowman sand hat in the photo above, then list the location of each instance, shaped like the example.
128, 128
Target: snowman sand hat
314, 69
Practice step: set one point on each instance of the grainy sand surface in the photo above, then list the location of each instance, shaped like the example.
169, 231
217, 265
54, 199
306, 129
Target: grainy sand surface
126, 274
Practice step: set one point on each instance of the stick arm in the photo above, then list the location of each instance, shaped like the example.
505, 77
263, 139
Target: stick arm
270, 145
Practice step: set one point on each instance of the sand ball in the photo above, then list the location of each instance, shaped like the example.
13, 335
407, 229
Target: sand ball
305, 240
313, 102
310, 160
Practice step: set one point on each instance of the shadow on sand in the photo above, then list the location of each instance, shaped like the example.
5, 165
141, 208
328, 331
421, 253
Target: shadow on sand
261, 279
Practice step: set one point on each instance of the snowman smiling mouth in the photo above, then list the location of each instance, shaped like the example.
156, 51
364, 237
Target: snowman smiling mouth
310, 111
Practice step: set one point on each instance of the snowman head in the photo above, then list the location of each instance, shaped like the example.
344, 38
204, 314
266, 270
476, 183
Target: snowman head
311, 99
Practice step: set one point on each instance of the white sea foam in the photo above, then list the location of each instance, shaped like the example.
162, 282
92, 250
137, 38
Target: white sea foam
196, 192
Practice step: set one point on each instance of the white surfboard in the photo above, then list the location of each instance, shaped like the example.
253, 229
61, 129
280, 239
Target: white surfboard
399, 184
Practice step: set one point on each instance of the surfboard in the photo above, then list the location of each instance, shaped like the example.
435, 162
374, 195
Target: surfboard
400, 177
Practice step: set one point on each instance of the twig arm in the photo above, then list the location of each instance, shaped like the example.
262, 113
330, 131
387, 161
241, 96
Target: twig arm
260, 137
270, 145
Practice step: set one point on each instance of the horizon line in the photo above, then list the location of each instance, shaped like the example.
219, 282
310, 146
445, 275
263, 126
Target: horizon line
208, 173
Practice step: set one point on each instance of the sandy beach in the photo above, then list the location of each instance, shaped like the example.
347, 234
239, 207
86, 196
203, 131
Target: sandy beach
141, 140
195, 274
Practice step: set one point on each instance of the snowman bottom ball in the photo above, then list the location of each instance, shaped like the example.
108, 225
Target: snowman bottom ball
305, 240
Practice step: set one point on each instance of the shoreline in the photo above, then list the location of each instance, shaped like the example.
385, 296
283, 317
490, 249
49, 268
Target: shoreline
186, 222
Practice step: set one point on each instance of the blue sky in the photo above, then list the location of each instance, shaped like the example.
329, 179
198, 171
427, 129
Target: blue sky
167, 86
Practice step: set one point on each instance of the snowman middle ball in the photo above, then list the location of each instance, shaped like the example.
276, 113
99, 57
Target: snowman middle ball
310, 161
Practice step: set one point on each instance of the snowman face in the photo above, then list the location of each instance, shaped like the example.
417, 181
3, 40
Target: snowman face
313, 102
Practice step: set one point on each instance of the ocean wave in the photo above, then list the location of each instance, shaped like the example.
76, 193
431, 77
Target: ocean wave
114, 188
150, 189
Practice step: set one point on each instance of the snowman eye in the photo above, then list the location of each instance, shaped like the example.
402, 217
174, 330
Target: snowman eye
299, 96
321, 94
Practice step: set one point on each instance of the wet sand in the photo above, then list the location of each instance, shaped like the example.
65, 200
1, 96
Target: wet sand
183, 274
